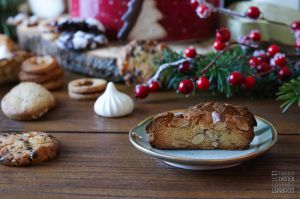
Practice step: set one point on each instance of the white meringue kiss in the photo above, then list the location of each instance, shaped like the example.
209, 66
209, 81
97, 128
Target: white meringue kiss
113, 103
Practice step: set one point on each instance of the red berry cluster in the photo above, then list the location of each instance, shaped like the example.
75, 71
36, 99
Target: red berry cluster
270, 60
237, 79
253, 38
186, 86
222, 37
142, 91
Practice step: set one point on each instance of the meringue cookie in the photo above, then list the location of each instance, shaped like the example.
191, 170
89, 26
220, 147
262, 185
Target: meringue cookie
113, 103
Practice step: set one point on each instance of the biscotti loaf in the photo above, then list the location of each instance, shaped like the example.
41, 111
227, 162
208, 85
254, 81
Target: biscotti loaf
204, 126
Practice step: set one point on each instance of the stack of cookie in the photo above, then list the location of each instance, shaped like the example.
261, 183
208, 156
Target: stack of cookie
86, 88
42, 70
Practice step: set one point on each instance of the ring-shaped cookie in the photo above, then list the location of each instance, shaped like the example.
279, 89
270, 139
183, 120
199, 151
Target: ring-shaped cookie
87, 85
41, 78
83, 97
39, 65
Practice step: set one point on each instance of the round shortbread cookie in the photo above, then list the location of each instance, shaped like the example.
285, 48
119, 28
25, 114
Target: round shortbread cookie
29, 148
87, 85
83, 97
27, 101
39, 65
41, 78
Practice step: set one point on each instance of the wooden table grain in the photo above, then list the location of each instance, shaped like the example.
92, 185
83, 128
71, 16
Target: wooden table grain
98, 161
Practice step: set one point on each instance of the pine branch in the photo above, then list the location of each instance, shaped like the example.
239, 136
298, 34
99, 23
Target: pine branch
289, 93
220, 67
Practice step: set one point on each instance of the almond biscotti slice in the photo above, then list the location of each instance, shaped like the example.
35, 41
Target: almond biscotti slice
204, 126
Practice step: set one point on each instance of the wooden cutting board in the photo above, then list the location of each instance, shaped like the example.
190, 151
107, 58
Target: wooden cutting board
101, 63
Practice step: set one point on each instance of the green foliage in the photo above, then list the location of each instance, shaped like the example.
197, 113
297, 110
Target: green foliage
234, 59
289, 93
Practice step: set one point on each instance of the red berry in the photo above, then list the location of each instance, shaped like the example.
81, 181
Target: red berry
254, 62
190, 52
263, 67
235, 78
279, 59
255, 35
194, 4
253, 12
284, 73
273, 49
219, 45
141, 91
295, 25
223, 34
203, 83
249, 82
203, 11
184, 67
154, 86
264, 58
186, 86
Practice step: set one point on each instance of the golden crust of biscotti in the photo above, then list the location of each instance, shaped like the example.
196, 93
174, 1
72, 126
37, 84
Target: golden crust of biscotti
28, 148
27, 101
204, 126
137, 61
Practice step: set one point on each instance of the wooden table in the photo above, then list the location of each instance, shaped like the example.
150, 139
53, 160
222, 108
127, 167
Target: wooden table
98, 161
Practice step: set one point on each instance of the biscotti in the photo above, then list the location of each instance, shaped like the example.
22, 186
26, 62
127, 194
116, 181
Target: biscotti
204, 126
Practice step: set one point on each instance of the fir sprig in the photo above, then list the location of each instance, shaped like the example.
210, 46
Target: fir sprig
232, 59
289, 93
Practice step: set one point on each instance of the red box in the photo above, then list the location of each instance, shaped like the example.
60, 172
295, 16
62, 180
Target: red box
179, 19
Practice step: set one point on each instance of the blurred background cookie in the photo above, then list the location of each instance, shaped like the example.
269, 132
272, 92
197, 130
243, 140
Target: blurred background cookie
10, 60
29, 148
43, 70
27, 101
41, 78
39, 65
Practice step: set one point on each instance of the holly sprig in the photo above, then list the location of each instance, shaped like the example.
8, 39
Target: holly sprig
232, 60
247, 66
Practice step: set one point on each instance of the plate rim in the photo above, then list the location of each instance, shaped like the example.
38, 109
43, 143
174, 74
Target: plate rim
170, 158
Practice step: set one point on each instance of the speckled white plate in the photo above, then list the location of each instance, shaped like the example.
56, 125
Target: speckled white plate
265, 138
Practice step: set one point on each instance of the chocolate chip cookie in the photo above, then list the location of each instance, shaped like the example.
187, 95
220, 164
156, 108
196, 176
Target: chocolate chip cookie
28, 148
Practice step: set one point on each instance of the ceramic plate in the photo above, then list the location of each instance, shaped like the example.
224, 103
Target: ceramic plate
265, 138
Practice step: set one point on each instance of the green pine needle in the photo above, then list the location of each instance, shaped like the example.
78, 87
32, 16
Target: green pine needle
289, 93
